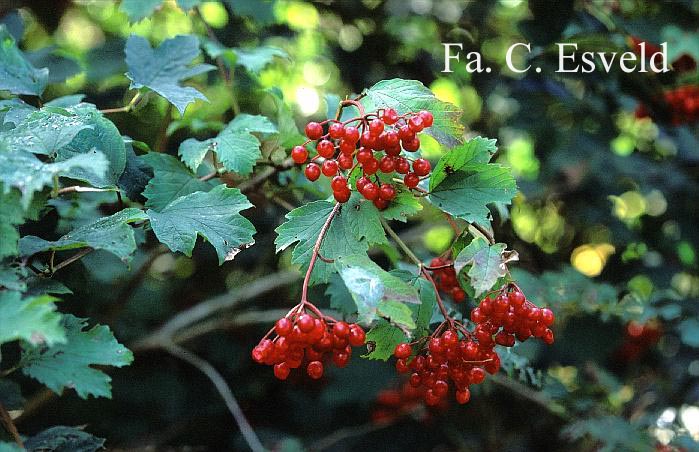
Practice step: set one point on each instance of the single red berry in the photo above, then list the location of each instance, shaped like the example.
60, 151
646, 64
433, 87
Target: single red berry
548, 337
440, 388
427, 118
325, 148
346, 147
391, 139
402, 366
387, 164
370, 191
403, 351
336, 130
338, 183
315, 369
370, 166
435, 346
357, 335
281, 370
463, 396
415, 123
306, 323
411, 145
380, 204
387, 192
389, 116
376, 127
450, 338
368, 140
342, 196
422, 167
411, 180
314, 130
312, 172
393, 151
547, 316
402, 165
283, 326
330, 168
340, 359
345, 161
299, 154
351, 134
341, 329
458, 294
361, 183
516, 298
405, 134
364, 154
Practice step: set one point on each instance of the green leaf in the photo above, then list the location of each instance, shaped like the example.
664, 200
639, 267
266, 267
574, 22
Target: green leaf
403, 206
613, 432
11, 395
474, 151
261, 11
136, 175
64, 439
363, 220
17, 75
257, 58
384, 338
689, 332
411, 95
486, 264
171, 181
188, 4
14, 111
29, 174
467, 192
11, 215
214, 215
10, 447
68, 365
251, 124
112, 234
370, 285
340, 298
138, 10
32, 319
103, 136
303, 225
424, 311
273, 106
45, 131
396, 313
162, 69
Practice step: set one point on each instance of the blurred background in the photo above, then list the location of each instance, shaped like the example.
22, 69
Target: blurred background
605, 222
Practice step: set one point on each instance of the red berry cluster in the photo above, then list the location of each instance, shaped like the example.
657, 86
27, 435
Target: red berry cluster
683, 103
304, 339
638, 339
510, 315
375, 148
445, 278
393, 403
459, 358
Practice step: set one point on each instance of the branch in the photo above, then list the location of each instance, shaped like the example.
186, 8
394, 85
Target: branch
316, 251
126, 108
226, 394
165, 334
75, 257
10, 426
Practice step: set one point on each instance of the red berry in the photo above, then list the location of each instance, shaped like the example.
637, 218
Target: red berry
387, 164
336, 130
387, 192
405, 134
411, 180
458, 295
391, 139
341, 329
342, 196
516, 298
370, 191
463, 396
402, 366
403, 351
340, 359
422, 167
427, 118
306, 323
547, 316
389, 116
548, 337
415, 123
402, 165
376, 127
357, 335
338, 183
440, 388
351, 134
312, 172
315, 369
368, 140
411, 145
370, 166
364, 155
330, 168
281, 370
325, 148
345, 161
283, 326
314, 130
361, 183
299, 154
380, 204
346, 147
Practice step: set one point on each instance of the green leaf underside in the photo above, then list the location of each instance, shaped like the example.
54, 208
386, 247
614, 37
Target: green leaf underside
303, 225
412, 96
163, 68
370, 286
485, 264
17, 75
215, 215
171, 181
467, 192
32, 319
68, 365
385, 337
29, 174
112, 234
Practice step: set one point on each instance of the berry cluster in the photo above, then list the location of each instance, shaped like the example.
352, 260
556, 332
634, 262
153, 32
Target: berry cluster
683, 103
445, 278
390, 404
638, 339
453, 356
304, 339
511, 315
374, 142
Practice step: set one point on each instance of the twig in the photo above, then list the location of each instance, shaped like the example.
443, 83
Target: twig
488, 236
10, 426
265, 174
205, 309
81, 189
75, 257
316, 251
209, 176
126, 108
226, 394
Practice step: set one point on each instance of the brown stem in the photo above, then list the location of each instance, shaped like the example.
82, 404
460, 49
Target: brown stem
77, 256
316, 251
10, 426
209, 176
